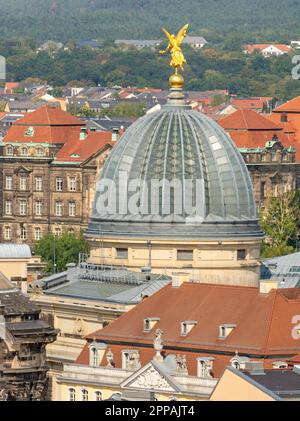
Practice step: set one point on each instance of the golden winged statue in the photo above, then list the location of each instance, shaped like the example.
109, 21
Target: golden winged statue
177, 57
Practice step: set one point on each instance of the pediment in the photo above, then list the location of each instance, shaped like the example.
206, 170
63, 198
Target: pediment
276, 176
22, 169
150, 378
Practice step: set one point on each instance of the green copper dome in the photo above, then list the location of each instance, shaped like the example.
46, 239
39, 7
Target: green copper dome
201, 184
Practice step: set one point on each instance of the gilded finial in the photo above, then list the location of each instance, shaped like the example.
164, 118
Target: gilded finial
177, 58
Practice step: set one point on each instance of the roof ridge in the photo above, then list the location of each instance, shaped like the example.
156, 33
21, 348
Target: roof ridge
269, 322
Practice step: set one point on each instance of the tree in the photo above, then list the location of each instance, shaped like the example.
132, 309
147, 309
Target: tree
280, 220
60, 251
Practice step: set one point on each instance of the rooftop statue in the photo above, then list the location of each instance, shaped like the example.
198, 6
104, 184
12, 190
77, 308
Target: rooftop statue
177, 57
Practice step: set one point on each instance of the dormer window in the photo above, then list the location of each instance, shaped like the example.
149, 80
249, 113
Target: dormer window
280, 365
204, 367
225, 330
186, 327
29, 132
131, 360
149, 323
24, 151
40, 151
94, 357
9, 150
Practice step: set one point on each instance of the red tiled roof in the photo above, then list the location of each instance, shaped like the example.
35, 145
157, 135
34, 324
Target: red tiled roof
248, 104
251, 130
263, 321
290, 106
250, 48
11, 85
42, 134
49, 116
247, 120
263, 325
51, 125
84, 149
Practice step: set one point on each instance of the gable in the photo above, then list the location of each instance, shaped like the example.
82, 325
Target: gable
150, 378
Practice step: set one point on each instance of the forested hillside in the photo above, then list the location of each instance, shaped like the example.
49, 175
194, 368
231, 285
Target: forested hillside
104, 19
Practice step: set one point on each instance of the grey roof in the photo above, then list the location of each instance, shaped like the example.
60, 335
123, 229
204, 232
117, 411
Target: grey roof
138, 42
285, 269
15, 251
176, 143
103, 283
194, 40
92, 43
284, 383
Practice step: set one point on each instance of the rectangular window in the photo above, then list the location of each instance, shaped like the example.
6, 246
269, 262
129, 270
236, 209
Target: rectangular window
38, 208
59, 184
37, 234
23, 233
184, 254
241, 254
7, 233
58, 208
23, 183
39, 183
72, 183
23, 207
122, 253
9, 182
72, 209
8, 207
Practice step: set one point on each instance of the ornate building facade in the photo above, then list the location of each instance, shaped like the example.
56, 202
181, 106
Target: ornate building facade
23, 339
181, 353
49, 164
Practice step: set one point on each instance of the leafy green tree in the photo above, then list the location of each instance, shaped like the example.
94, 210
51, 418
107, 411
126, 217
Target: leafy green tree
57, 252
280, 220
126, 109
270, 251
85, 111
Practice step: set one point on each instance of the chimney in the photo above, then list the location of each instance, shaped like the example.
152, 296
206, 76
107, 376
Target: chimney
178, 278
115, 135
266, 285
83, 133
255, 368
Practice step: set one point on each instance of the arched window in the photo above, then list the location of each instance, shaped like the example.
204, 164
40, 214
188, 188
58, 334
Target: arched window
23, 233
84, 395
9, 150
24, 151
57, 232
40, 151
235, 364
98, 396
94, 360
72, 394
